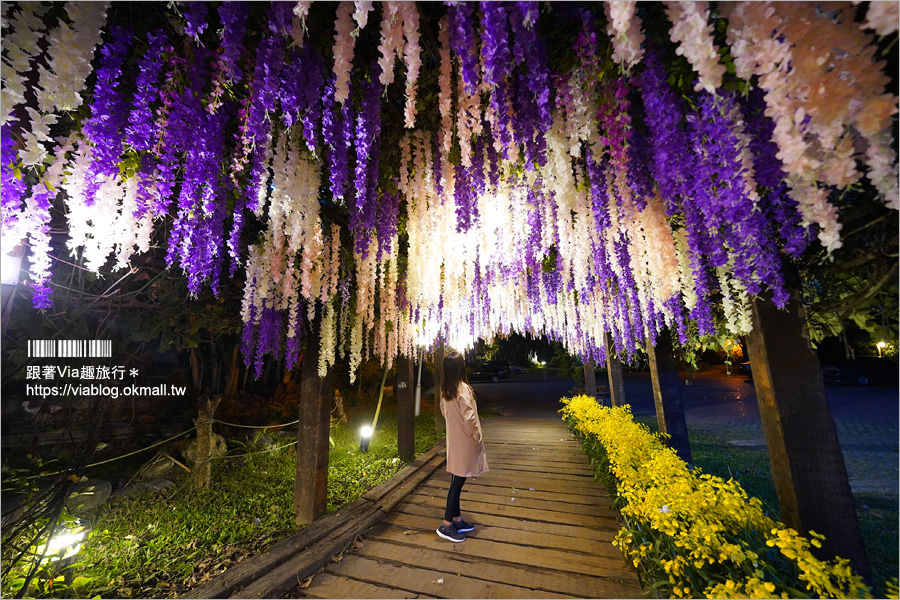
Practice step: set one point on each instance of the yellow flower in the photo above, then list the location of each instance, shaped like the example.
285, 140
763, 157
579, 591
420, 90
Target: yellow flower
686, 519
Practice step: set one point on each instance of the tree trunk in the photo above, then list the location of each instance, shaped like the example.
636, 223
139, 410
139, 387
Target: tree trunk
195, 371
590, 380
614, 372
231, 383
667, 395
202, 473
439, 424
807, 464
311, 482
406, 433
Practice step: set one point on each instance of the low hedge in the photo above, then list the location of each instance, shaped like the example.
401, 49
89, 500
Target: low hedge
691, 534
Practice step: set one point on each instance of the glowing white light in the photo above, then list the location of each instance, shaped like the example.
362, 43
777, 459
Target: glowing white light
9, 269
366, 431
64, 545
881, 345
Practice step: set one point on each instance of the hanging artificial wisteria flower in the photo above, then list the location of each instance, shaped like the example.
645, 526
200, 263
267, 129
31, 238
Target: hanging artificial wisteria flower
691, 31
624, 28
344, 41
588, 206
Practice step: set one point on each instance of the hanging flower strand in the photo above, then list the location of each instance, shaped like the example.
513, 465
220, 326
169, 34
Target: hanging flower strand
411, 55
691, 31
624, 27
344, 41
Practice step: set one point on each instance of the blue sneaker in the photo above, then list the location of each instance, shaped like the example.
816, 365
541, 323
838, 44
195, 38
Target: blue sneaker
462, 527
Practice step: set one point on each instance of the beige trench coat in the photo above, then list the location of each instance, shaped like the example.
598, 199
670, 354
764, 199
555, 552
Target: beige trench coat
465, 447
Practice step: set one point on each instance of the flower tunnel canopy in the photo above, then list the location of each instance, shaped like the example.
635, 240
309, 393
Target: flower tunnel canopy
405, 172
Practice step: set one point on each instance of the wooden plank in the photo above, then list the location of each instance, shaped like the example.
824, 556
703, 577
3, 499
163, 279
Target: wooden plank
246, 571
416, 582
538, 466
540, 459
327, 585
392, 499
276, 582
469, 495
382, 489
476, 486
425, 525
524, 482
491, 520
566, 454
575, 584
513, 436
557, 560
522, 472
544, 461
513, 511
564, 441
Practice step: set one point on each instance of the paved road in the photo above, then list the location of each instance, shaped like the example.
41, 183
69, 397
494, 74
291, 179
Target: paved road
866, 418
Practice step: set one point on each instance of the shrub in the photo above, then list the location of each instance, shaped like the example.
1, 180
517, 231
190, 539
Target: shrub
691, 534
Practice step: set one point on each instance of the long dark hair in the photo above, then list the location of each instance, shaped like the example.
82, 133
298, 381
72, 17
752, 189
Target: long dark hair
454, 375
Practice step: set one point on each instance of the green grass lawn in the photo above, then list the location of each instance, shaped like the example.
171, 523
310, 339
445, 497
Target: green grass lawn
160, 546
878, 513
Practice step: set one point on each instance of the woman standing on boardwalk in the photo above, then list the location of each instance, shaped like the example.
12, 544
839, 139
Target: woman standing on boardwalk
465, 447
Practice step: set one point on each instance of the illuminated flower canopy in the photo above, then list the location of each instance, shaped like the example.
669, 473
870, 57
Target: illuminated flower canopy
538, 171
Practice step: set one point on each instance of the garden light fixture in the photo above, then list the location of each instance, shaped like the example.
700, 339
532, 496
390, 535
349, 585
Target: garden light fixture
881, 346
65, 543
365, 434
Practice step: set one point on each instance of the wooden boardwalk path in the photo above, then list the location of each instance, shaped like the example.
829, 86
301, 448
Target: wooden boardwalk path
543, 529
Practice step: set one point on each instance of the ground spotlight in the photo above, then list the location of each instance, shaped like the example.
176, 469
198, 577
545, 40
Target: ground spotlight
365, 434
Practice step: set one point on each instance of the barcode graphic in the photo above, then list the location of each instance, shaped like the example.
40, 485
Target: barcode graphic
69, 348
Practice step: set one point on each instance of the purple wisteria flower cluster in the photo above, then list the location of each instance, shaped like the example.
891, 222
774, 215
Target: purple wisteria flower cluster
141, 132
463, 43
604, 179
337, 135
769, 174
364, 209
13, 186
301, 93
105, 128
233, 16
739, 226
673, 170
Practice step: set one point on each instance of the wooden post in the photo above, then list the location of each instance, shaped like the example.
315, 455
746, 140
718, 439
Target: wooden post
202, 474
231, 383
406, 432
614, 372
440, 426
667, 395
310, 484
807, 464
590, 380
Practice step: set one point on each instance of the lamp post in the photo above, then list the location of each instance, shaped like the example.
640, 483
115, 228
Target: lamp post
880, 345
728, 352
365, 434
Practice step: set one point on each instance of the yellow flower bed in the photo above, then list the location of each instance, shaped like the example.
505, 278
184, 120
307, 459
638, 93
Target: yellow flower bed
693, 534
